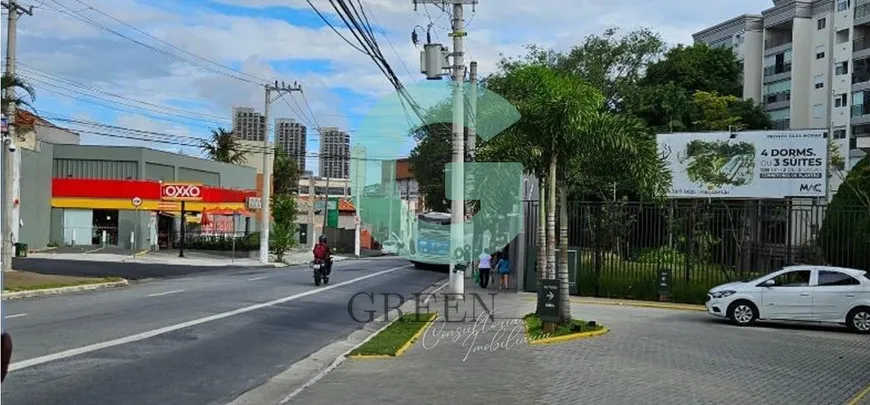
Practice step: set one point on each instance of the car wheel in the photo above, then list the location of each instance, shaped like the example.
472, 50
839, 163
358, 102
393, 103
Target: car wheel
743, 313
859, 320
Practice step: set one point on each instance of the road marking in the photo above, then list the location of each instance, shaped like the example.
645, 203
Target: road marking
14, 316
341, 359
256, 278
156, 332
165, 293
859, 396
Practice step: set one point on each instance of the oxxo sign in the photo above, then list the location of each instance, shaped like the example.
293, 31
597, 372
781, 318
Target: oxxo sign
180, 192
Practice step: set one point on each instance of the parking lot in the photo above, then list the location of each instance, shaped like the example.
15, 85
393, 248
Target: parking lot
656, 356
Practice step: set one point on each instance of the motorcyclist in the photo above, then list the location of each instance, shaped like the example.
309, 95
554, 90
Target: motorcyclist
323, 253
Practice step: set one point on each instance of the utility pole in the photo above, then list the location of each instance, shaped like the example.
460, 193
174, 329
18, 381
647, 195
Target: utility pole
326, 204
311, 190
358, 187
457, 205
266, 190
471, 145
14, 11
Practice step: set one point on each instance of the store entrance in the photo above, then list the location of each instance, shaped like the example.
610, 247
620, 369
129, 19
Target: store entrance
105, 221
165, 229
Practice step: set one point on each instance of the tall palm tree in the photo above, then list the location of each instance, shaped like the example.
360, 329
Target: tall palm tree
222, 146
10, 82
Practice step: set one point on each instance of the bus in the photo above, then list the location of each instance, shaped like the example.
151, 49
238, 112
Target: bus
430, 240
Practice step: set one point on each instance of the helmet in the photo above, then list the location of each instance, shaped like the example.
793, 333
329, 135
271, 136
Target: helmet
322, 239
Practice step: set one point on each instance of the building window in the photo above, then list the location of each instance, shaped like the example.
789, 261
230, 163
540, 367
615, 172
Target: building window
841, 100
778, 63
818, 110
820, 52
820, 23
842, 68
819, 81
843, 5
853, 143
840, 133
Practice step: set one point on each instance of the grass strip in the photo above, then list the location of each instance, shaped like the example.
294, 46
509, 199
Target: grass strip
535, 328
395, 338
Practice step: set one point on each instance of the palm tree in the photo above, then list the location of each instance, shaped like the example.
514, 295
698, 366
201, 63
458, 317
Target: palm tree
9, 83
223, 146
285, 174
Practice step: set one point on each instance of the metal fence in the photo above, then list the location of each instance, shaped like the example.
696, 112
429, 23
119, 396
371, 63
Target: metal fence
623, 246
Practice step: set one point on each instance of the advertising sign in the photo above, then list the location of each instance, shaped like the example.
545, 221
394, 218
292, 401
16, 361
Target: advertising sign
180, 192
754, 164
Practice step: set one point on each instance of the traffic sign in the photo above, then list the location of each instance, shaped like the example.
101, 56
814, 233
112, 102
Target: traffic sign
664, 282
548, 300
137, 202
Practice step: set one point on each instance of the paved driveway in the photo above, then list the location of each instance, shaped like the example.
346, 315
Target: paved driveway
651, 356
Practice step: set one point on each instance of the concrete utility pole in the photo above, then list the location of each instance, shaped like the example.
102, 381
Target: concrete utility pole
8, 167
311, 189
471, 145
266, 190
358, 156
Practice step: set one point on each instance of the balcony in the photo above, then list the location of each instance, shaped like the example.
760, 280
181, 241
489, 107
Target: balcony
860, 44
777, 97
860, 77
781, 124
860, 110
777, 69
862, 11
777, 41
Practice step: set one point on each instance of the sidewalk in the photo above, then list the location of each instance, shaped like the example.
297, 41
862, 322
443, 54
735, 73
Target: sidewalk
192, 258
453, 362
650, 355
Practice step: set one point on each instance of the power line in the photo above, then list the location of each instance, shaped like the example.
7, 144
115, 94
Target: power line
167, 43
78, 15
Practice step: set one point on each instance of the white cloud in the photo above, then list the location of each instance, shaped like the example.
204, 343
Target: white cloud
271, 49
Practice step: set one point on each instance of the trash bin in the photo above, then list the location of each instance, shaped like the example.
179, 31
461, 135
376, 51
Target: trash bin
20, 250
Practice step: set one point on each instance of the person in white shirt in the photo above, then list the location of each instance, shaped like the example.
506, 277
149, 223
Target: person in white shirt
484, 268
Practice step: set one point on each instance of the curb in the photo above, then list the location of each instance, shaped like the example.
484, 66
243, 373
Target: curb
63, 290
639, 304
311, 369
859, 396
141, 253
407, 345
573, 336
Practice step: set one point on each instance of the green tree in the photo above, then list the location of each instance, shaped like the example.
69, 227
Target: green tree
284, 227
285, 178
223, 146
9, 84
845, 233
713, 112
553, 105
698, 67
611, 63
428, 159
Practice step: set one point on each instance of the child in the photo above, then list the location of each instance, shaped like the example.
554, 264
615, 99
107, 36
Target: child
503, 268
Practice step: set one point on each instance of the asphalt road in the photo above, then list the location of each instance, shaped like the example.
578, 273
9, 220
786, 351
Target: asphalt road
207, 361
130, 271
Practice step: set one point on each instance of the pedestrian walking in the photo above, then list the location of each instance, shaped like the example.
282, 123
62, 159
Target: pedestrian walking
484, 268
503, 268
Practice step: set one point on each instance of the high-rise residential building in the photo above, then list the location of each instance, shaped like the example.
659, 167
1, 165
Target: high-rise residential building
808, 63
334, 153
248, 124
290, 136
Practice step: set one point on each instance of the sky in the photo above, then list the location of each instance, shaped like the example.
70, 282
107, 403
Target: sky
120, 76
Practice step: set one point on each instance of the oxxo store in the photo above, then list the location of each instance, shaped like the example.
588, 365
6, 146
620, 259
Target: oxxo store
145, 214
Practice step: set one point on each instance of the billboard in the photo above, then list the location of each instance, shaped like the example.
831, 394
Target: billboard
753, 164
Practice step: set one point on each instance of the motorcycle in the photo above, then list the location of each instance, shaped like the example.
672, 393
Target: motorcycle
321, 271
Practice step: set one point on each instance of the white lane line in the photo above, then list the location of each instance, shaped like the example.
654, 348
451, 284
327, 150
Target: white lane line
14, 316
156, 332
165, 293
256, 278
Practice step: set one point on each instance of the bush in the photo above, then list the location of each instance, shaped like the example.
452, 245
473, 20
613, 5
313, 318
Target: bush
845, 232
660, 255
639, 281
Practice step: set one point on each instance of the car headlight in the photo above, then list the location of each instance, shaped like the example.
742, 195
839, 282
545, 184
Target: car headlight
722, 294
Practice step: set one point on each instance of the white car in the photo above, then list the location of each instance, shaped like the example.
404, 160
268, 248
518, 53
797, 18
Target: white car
797, 293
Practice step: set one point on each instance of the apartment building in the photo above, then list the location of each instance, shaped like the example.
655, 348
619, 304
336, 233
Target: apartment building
248, 124
808, 63
334, 153
290, 136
